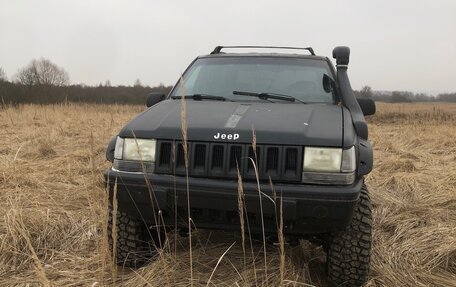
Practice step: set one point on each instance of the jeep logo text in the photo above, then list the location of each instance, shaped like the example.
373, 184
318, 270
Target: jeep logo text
226, 136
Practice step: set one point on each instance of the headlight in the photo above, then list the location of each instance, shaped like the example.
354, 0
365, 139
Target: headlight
139, 149
322, 159
329, 165
135, 149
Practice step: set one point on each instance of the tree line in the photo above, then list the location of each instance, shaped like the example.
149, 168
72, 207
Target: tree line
43, 82
403, 96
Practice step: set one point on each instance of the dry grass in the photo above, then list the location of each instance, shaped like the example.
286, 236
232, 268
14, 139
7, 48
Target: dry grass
52, 207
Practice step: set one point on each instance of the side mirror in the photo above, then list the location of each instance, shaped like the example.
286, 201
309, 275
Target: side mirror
328, 84
154, 98
367, 106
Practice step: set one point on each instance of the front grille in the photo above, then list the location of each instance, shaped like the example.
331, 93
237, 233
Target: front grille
223, 160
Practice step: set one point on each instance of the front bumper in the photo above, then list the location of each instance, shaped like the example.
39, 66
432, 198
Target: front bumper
307, 209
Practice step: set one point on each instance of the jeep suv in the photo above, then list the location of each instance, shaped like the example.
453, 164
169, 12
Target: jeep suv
277, 124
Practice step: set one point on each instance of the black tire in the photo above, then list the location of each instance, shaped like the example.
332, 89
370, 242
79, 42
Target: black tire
136, 244
349, 251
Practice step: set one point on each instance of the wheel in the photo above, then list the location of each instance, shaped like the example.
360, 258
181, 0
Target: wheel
136, 244
349, 251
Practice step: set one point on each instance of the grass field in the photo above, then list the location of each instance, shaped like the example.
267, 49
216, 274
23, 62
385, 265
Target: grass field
52, 206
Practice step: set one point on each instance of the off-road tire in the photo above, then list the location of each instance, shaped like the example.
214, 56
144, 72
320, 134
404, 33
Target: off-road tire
349, 251
136, 244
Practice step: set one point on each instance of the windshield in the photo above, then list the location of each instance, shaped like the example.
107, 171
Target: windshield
221, 76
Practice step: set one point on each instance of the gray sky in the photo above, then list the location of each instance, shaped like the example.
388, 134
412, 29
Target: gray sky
396, 45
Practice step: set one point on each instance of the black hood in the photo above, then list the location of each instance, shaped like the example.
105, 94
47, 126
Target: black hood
210, 121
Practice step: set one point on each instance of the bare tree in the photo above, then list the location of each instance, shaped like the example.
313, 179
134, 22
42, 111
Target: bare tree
366, 92
3, 77
137, 83
43, 72
401, 97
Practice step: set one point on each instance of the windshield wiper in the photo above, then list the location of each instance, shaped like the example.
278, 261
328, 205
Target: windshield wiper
265, 96
199, 97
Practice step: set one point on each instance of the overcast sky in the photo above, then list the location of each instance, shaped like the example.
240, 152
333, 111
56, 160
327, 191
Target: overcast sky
396, 45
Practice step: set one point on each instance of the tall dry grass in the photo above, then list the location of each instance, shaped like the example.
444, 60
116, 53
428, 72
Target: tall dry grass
53, 207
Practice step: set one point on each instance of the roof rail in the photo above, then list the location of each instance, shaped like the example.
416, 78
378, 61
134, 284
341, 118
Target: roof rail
218, 49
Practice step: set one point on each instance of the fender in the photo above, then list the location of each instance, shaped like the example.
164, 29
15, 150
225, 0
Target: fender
365, 157
110, 149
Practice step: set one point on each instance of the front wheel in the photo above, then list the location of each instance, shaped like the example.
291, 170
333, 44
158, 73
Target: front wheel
136, 244
349, 251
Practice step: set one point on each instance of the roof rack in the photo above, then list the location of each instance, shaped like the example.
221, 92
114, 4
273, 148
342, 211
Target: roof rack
218, 49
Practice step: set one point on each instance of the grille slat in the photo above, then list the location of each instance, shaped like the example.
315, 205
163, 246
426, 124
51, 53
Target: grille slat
272, 165
272, 159
165, 154
180, 156
235, 158
199, 159
253, 157
290, 160
221, 160
218, 157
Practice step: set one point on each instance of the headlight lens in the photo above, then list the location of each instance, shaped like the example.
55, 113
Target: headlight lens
135, 149
322, 159
329, 165
139, 149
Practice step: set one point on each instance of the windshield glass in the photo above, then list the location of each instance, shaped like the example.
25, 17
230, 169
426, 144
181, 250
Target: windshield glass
221, 76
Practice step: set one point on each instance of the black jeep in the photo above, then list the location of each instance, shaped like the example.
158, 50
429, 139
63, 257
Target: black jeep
278, 124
